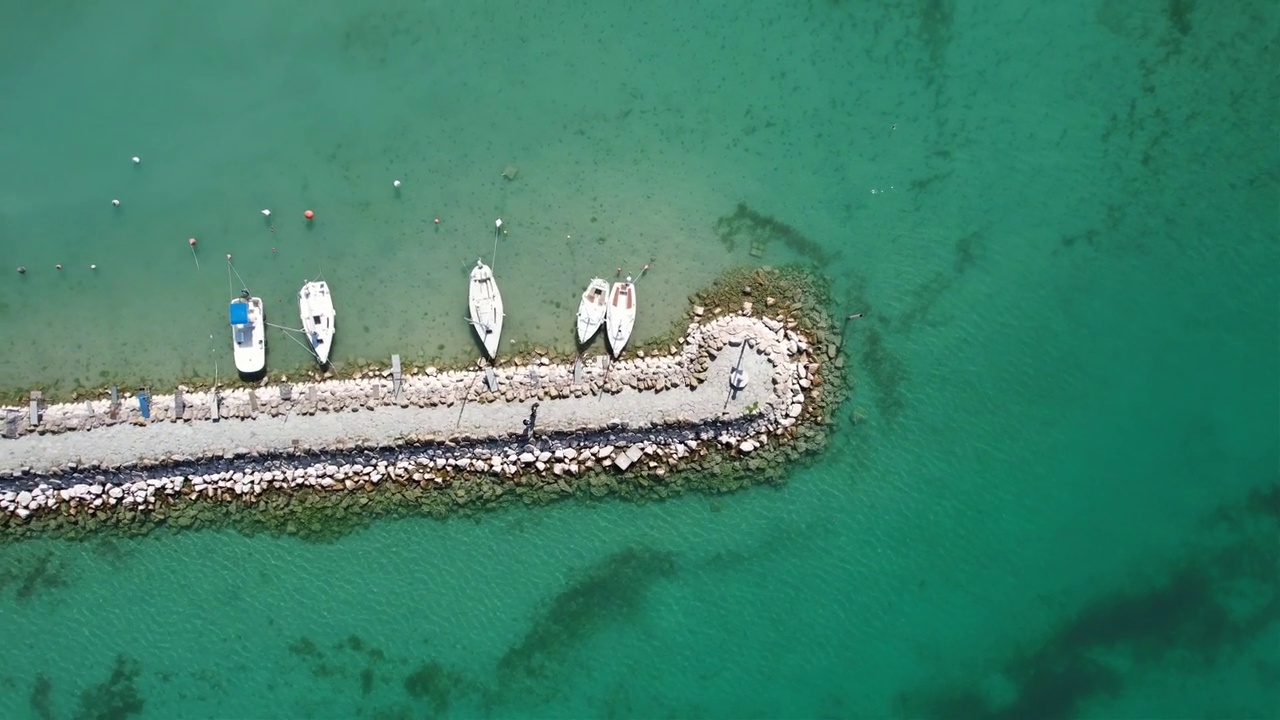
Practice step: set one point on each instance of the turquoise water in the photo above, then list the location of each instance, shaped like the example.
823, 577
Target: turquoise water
1061, 222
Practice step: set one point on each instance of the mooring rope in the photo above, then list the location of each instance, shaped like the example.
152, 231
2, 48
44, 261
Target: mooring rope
288, 332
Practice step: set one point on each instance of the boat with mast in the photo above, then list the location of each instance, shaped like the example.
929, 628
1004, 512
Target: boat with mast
620, 315
485, 304
592, 309
315, 305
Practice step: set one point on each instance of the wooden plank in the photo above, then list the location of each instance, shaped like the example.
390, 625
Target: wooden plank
577, 370
179, 404
396, 378
115, 403
215, 412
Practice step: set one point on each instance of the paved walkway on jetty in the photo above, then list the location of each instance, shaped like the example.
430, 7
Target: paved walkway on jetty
127, 443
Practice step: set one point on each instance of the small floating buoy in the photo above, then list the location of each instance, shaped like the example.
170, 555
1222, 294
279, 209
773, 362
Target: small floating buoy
191, 242
228, 256
136, 160
22, 270
497, 223
266, 213
395, 183
115, 203
437, 221
58, 266
308, 214
93, 267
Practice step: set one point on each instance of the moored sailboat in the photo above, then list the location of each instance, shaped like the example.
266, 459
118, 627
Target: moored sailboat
485, 305
620, 315
315, 305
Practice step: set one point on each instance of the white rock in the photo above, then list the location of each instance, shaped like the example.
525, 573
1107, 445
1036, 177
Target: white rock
605, 451
24, 498
528, 458
795, 410
747, 446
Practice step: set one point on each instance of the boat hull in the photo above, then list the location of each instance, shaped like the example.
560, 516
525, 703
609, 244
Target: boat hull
249, 339
592, 310
620, 316
485, 305
315, 306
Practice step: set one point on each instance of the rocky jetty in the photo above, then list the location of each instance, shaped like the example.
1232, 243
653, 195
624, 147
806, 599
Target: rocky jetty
733, 393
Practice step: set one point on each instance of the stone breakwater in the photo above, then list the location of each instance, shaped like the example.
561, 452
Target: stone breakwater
646, 415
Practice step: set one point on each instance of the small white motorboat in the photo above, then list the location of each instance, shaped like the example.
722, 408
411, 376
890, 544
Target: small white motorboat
486, 307
316, 306
620, 315
249, 334
592, 309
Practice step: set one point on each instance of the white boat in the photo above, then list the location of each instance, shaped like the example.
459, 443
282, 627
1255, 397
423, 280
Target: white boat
486, 307
316, 306
591, 310
249, 334
620, 315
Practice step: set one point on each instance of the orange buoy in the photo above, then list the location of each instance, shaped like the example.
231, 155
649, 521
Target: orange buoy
308, 214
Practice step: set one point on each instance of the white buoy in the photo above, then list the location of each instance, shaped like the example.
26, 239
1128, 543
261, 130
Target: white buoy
498, 223
266, 213
115, 203
136, 159
93, 267
395, 183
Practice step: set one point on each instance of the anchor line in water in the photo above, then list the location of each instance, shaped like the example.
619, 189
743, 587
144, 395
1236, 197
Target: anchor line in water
496, 232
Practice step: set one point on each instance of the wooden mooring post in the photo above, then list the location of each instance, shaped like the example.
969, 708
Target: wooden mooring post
36, 397
397, 380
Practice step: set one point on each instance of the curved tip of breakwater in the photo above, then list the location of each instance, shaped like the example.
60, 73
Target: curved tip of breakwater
735, 391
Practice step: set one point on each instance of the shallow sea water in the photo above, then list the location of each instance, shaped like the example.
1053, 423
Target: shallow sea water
1063, 501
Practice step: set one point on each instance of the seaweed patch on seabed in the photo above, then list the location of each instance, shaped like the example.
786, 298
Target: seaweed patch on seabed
30, 575
1210, 605
41, 698
757, 231
611, 592
116, 698
436, 686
